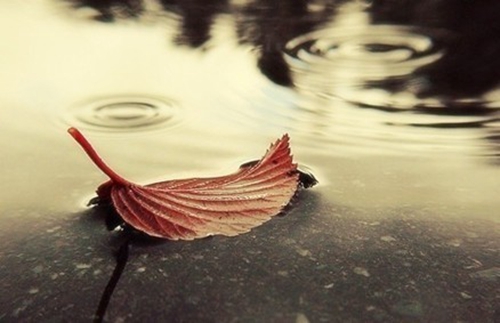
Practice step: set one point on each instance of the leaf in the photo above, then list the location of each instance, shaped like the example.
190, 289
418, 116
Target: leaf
193, 208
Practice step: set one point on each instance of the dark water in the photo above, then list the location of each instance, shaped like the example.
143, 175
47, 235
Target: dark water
393, 105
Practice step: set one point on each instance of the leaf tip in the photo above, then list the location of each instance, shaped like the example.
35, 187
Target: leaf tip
285, 138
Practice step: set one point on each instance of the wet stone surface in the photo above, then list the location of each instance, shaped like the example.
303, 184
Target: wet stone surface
394, 107
297, 267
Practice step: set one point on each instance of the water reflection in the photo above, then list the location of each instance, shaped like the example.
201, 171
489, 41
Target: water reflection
364, 65
392, 104
380, 65
268, 25
197, 19
470, 67
109, 10
337, 57
463, 72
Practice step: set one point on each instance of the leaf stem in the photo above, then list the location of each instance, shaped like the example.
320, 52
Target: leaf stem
80, 139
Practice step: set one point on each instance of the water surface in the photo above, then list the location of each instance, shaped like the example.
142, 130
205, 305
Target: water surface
394, 109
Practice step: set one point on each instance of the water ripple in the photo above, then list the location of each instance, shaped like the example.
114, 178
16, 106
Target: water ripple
124, 113
379, 51
340, 71
369, 66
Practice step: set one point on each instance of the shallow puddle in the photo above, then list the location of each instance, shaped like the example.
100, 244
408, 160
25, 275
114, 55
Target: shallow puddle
394, 108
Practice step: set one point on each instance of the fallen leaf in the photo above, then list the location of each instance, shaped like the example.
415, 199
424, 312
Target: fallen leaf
199, 207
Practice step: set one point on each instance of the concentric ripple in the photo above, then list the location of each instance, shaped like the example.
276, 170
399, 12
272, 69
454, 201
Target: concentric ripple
125, 113
338, 72
370, 65
373, 49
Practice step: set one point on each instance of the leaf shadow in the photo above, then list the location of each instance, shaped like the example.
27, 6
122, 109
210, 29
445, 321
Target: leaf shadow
106, 216
294, 217
122, 236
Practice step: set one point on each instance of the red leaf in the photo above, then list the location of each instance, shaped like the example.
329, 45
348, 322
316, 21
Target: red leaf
199, 207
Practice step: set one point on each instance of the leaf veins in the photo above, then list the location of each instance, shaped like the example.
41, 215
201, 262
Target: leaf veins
194, 208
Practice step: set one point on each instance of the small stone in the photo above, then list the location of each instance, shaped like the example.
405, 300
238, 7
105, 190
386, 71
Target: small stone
301, 318
361, 271
141, 269
454, 242
54, 229
387, 238
303, 252
283, 273
465, 295
83, 266
177, 256
329, 286
33, 290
